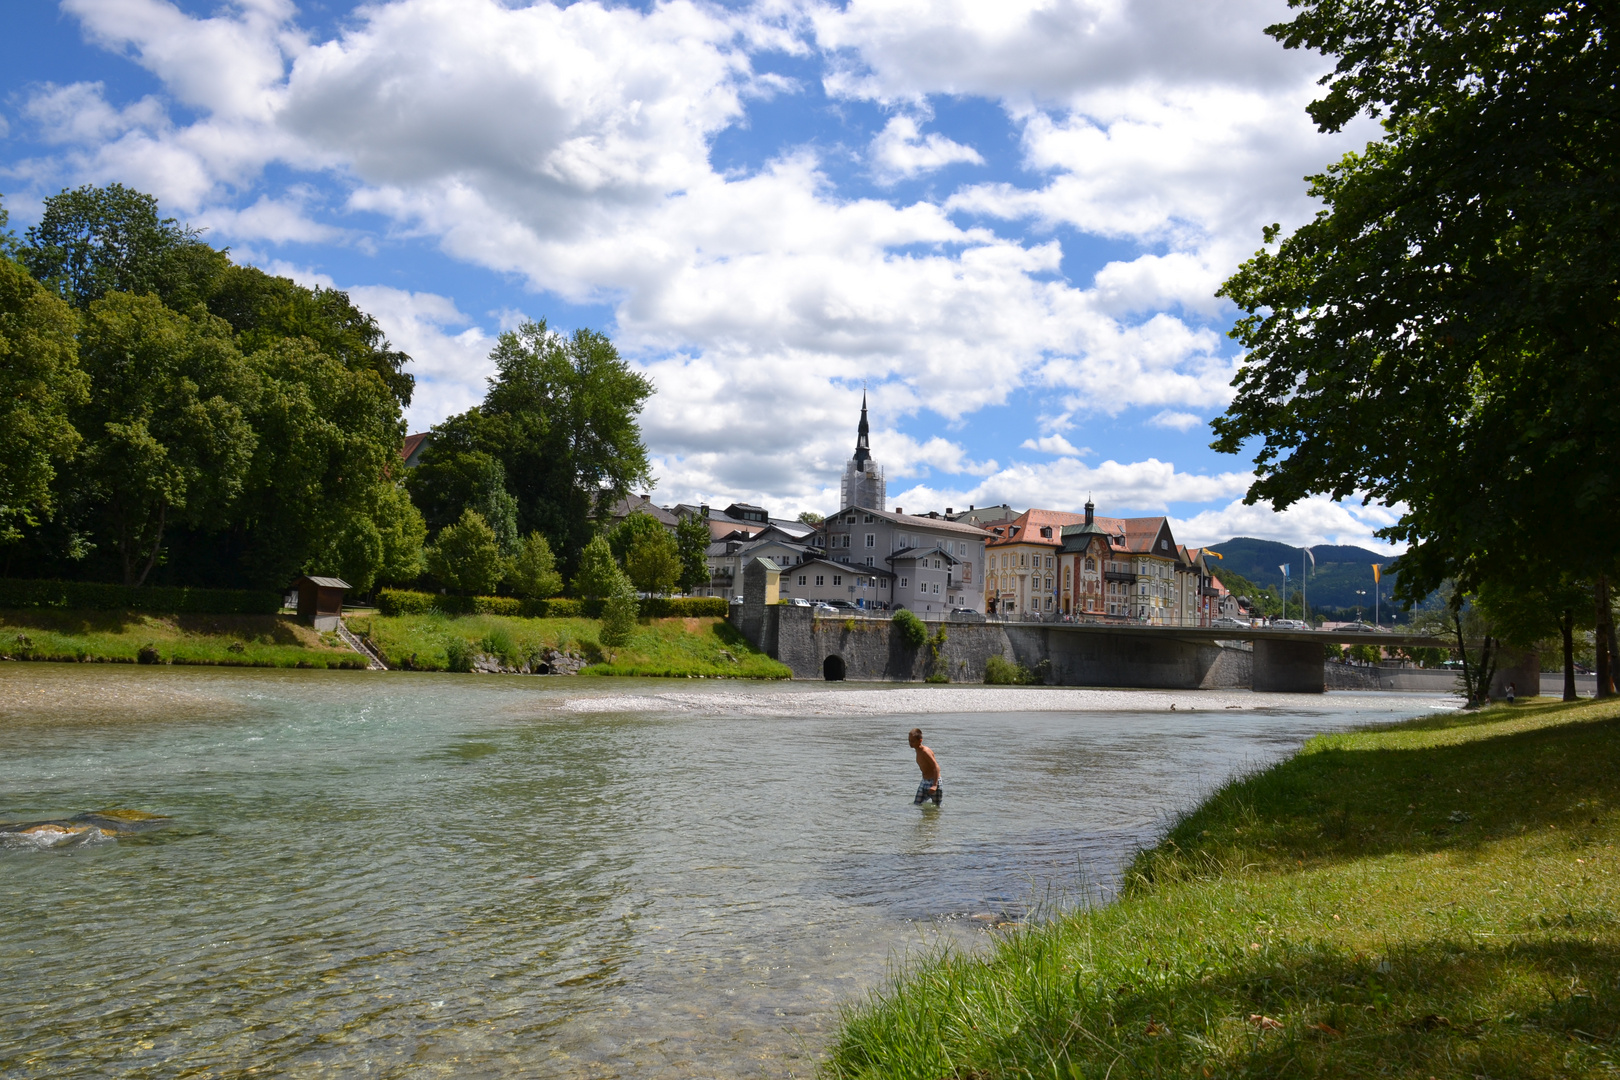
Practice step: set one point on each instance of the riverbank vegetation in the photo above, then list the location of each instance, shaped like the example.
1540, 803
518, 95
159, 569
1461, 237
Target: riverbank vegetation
1433, 899
126, 637
664, 648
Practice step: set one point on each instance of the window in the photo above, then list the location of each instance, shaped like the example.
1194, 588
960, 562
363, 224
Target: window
1021, 559
1048, 603
1091, 564
869, 560
936, 588
904, 582
820, 579
801, 579
868, 519
1049, 562
838, 579
936, 564
871, 539
922, 586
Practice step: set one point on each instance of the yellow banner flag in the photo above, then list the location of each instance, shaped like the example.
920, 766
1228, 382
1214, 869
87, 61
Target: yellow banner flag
1378, 573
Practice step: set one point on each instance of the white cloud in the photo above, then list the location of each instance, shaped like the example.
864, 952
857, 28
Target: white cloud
900, 151
1055, 444
1176, 421
1317, 520
1065, 484
569, 146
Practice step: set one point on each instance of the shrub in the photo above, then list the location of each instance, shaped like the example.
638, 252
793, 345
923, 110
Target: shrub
1000, 671
688, 607
148, 654
465, 555
912, 631
458, 655
498, 642
407, 602
94, 596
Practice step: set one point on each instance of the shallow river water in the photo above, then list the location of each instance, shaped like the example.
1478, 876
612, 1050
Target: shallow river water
419, 875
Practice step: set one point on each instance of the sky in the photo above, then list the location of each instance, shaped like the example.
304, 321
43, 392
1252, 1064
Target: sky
1004, 222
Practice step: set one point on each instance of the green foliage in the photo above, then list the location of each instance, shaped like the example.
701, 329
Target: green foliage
912, 630
93, 241
619, 614
458, 655
810, 517
533, 572
999, 671
40, 381
167, 437
1394, 902
653, 562
90, 596
466, 557
598, 573
561, 417
938, 669
1441, 336
128, 637
692, 546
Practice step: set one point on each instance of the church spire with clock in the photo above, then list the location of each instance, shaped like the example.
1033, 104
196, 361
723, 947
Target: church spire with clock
863, 478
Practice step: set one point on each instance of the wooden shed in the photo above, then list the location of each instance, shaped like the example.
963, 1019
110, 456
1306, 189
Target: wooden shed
320, 600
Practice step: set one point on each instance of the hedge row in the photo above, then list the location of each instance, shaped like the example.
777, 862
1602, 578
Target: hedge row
22, 593
405, 602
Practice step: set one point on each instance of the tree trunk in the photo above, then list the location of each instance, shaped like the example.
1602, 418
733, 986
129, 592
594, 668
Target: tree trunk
157, 544
1605, 635
1567, 625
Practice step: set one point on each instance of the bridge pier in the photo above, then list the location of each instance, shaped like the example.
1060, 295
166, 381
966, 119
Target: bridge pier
1288, 667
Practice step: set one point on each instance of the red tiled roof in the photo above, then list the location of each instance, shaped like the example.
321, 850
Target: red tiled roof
411, 444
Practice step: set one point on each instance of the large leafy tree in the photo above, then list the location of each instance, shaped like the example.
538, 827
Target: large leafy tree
561, 416
692, 541
40, 381
95, 240
166, 430
1444, 335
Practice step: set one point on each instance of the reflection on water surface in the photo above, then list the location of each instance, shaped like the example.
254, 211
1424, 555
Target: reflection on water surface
415, 875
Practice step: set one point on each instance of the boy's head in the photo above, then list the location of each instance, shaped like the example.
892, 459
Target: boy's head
915, 738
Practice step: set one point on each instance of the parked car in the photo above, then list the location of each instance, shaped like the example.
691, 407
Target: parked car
1229, 622
966, 614
824, 608
841, 605
1289, 624
1359, 628
799, 601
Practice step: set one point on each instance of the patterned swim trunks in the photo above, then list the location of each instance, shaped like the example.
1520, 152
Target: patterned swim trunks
928, 789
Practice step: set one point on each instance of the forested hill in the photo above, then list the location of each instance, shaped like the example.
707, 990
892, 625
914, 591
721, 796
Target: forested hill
1340, 570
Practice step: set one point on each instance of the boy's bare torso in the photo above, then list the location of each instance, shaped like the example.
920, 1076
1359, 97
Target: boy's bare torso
927, 763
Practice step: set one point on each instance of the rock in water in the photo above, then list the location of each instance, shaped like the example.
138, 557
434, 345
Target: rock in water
87, 828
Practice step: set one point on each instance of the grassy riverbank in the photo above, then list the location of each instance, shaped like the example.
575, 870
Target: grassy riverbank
118, 637
670, 648
1434, 899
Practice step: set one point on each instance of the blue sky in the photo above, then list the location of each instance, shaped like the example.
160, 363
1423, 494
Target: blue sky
1006, 221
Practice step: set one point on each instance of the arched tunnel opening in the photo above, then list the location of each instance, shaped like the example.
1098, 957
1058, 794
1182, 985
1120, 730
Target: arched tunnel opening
832, 669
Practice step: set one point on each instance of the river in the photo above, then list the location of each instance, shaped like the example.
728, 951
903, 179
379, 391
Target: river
398, 875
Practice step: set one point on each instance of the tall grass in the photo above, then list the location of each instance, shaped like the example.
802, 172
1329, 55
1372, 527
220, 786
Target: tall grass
122, 637
1432, 899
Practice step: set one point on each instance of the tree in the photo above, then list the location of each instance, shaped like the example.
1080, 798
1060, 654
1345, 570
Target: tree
598, 573
465, 556
92, 241
40, 381
623, 536
166, 433
810, 517
1441, 336
653, 562
619, 612
692, 546
560, 415
534, 570
264, 310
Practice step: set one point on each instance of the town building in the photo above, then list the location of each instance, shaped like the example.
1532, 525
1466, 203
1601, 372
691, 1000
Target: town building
822, 580
1023, 576
937, 564
863, 484
727, 557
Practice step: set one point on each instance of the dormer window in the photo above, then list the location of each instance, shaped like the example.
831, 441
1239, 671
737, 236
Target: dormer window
1046, 531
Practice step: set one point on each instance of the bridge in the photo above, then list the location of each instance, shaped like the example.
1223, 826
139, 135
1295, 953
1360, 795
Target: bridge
819, 646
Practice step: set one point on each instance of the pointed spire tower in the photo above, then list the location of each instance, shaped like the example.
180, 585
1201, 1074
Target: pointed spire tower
863, 478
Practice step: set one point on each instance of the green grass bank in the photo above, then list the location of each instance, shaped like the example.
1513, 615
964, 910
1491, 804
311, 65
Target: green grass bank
1431, 899
704, 647
118, 637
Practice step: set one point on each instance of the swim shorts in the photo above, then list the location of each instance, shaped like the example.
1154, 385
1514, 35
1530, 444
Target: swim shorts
928, 789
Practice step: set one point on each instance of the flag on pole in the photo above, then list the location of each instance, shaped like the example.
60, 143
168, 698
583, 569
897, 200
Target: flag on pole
1311, 555
1378, 573
1284, 569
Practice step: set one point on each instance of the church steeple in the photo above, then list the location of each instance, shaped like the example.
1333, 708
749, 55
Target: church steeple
863, 448
863, 483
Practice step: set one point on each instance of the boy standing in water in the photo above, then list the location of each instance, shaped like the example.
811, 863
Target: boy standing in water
930, 787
